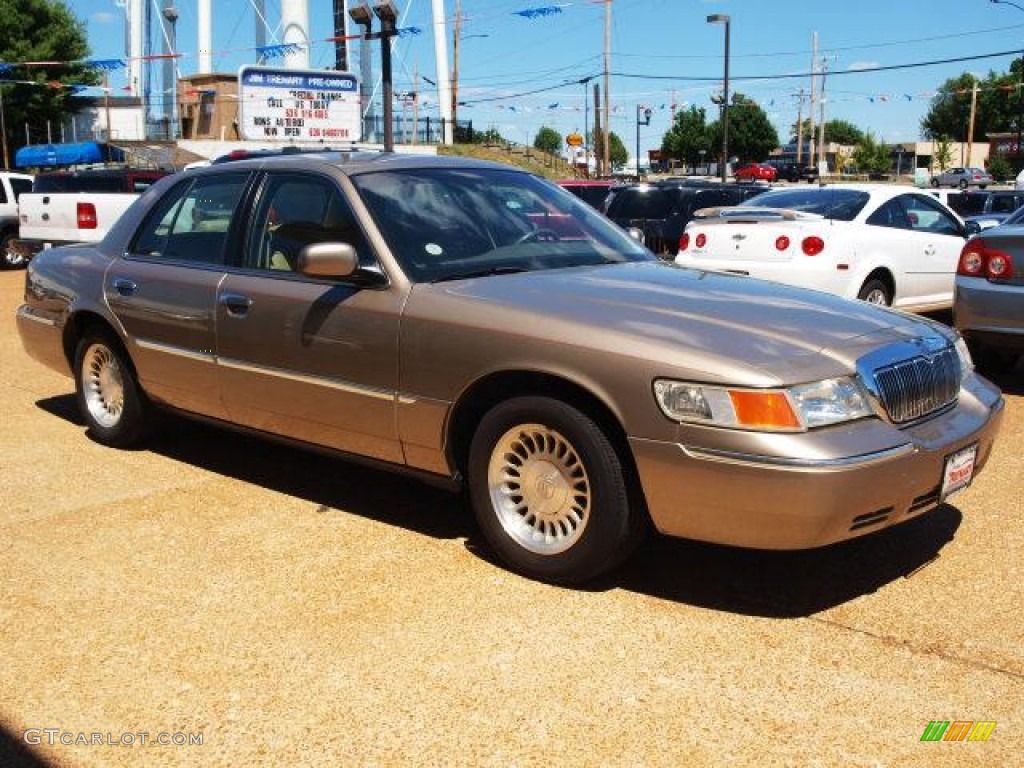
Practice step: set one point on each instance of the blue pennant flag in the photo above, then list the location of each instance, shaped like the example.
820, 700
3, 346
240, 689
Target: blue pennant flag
107, 65
275, 51
536, 13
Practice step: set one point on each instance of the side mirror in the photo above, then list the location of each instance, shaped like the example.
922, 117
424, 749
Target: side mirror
335, 260
971, 228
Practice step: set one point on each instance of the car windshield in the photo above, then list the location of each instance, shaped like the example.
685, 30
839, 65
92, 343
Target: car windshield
446, 224
839, 204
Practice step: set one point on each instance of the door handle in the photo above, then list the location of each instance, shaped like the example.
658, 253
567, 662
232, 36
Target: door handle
236, 304
124, 286
929, 250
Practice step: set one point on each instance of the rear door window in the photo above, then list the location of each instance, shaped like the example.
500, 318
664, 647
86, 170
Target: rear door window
191, 221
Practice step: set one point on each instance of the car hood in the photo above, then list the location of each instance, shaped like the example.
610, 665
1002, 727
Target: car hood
723, 325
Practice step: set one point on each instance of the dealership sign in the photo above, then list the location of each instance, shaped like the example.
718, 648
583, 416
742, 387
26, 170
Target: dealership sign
298, 105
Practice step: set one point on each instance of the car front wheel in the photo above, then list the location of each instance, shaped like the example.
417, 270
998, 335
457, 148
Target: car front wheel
935, 183
963, 184
115, 410
549, 491
875, 292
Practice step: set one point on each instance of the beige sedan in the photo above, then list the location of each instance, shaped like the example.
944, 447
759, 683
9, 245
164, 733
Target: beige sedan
473, 324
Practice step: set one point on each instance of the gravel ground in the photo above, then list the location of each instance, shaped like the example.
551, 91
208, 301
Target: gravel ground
297, 610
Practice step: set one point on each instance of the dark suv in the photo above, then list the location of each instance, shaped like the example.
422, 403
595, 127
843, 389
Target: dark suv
796, 172
662, 210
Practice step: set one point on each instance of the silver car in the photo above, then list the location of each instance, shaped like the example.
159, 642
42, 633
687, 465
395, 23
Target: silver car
988, 302
477, 325
963, 178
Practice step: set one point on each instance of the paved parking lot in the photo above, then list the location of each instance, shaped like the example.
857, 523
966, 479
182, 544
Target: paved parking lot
290, 609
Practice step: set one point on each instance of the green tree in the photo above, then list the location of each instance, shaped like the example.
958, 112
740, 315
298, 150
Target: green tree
836, 131
40, 30
687, 137
997, 105
943, 155
803, 128
999, 168
843, 132
548, 140
871, 156
751, 134
617, 153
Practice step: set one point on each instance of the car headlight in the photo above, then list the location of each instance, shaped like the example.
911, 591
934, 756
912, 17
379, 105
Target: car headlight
793, 409
966, 362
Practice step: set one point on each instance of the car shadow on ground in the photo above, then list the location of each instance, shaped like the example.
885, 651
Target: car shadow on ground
15, 753
745, 581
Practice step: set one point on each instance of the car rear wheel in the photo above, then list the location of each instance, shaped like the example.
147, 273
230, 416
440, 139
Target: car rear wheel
549, 491
115, 410
935, 183
10, 258
963, 184
874, 291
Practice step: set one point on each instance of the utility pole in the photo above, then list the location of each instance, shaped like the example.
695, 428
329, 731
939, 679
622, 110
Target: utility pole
814, 96
821, 119
970, 122
416, 105
456, 32
597, 128
800, 128
606, 152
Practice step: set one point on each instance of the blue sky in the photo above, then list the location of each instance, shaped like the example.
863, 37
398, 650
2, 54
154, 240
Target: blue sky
520, 72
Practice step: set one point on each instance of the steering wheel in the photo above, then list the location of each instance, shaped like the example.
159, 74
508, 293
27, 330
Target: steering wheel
539, 235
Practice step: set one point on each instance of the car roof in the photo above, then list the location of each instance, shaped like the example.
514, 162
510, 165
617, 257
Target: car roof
354, 163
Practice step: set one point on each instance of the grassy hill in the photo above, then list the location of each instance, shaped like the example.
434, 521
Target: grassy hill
533, 160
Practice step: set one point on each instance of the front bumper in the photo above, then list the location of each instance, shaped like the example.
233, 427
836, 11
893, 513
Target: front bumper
794, 502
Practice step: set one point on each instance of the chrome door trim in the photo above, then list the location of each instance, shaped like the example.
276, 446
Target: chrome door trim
317, 381
169, 349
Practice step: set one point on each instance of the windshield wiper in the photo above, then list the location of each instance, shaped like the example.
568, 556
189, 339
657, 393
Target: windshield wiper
482, 272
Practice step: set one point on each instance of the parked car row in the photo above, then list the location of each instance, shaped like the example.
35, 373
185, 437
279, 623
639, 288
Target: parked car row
474, 324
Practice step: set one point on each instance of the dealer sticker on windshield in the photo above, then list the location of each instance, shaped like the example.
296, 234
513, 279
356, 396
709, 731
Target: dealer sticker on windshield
959, 470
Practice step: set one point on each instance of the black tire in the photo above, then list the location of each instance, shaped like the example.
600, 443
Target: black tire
935, 183
963, 184
9, 258
874, 291
115, 409
550, 493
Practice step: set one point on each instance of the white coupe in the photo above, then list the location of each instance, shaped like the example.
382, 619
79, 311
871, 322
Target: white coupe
885, 244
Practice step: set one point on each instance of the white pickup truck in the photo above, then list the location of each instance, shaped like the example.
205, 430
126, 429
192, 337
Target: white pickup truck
12, 186
76, 207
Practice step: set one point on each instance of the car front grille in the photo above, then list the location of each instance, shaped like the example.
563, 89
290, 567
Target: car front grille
915, 388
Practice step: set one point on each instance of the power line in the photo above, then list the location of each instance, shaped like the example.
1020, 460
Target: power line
858, 71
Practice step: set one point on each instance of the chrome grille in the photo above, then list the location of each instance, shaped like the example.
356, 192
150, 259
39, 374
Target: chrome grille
915, 388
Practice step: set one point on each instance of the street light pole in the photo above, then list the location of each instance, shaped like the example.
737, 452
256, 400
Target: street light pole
724, 18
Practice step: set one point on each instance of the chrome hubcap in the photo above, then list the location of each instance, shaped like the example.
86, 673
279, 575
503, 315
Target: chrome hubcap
876, 297
539, 489
103, 385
